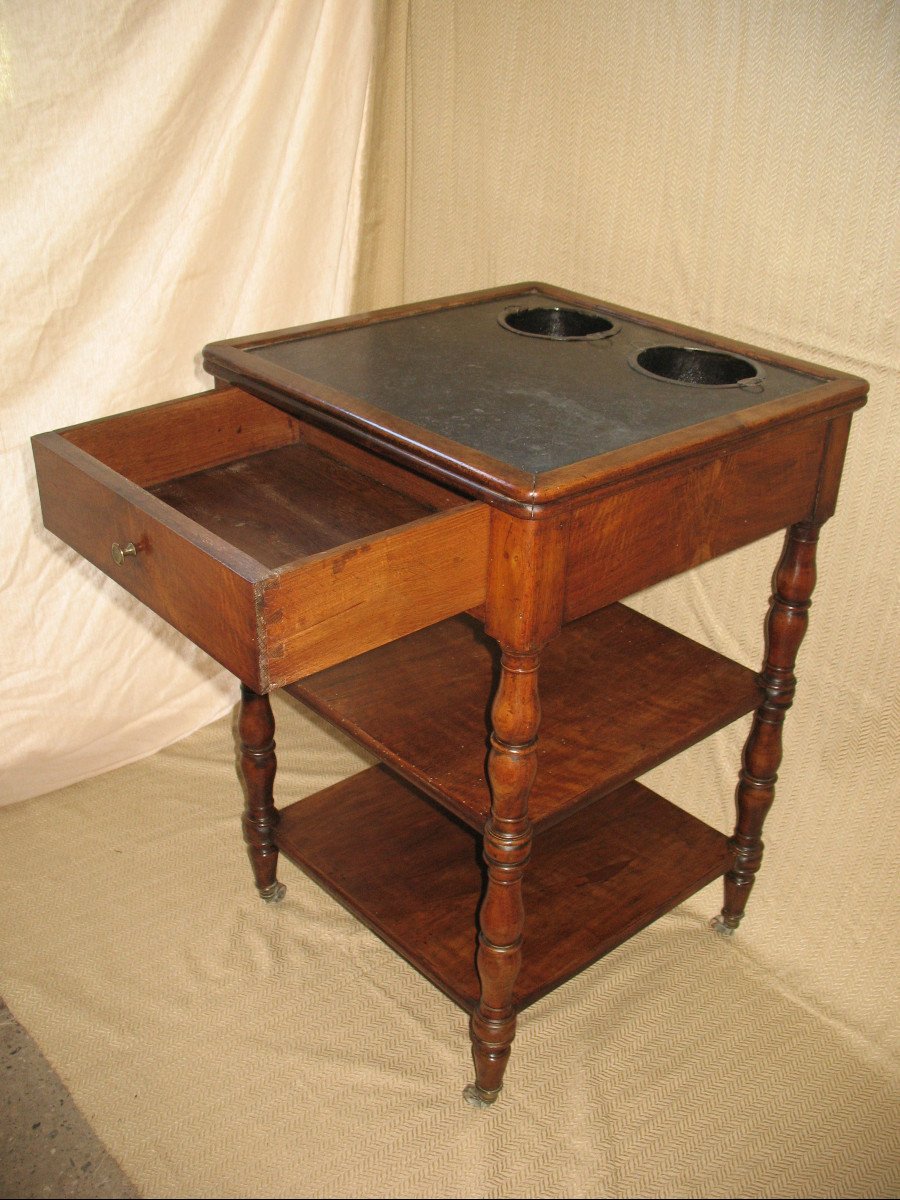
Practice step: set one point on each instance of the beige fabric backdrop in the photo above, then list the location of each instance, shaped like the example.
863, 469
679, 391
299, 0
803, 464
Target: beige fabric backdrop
731, 165
728, 164
174, 172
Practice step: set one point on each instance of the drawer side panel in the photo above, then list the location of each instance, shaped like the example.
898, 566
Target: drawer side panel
210, 601
339, 604
664, 525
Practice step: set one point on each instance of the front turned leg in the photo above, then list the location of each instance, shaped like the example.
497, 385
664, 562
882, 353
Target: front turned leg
512, 764
786, 624
256, 727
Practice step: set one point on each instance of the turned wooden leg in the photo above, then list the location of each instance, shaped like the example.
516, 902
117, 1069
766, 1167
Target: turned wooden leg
256, 727
512, 764
786, 624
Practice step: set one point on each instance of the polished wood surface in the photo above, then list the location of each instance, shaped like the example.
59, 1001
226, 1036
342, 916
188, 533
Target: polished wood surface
243, 556
620, 693
194, 580
523, 612
328, 533
372, 590
592, 881
257, 765
160, 442
786, 626
635, 535
270, 505
408, 483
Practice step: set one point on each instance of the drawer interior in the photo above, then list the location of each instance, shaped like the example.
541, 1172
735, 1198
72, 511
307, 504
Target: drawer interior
257, 477
275, 546
288, 503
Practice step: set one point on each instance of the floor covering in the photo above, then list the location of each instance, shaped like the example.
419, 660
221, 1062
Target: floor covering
216, 1046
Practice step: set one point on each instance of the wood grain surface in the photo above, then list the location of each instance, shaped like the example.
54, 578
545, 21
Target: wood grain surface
619, 693
592, 880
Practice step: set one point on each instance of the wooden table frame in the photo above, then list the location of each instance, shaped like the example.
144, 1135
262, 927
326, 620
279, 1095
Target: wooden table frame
423, 530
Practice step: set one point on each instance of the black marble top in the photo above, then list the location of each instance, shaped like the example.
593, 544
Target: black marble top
534, 403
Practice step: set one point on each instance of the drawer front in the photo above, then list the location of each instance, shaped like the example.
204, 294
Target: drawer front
267, 625
178, 570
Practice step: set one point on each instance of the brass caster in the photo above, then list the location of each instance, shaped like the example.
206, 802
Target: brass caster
273, 893
473, 1094
717, 925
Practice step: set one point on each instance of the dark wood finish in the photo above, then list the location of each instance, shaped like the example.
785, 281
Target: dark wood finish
160, 442
321, 539
832, 466
380, 585
243, 556
591, 883
408, 483
374, 589
620, 693
256, 729
270, 506
635, 535
512, 766
786, 625
194, 580
523, 611
527, 582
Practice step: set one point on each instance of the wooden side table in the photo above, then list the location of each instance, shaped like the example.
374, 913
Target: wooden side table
421, 522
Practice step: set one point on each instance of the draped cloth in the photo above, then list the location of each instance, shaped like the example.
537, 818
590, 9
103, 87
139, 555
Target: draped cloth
174, 173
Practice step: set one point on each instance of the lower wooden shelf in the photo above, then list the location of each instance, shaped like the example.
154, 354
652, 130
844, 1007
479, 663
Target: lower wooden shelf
413, 874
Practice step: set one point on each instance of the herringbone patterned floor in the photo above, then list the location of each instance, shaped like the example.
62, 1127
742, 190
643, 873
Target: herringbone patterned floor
224, 1048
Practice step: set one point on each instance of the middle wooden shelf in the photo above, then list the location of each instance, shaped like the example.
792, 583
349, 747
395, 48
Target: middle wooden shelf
620, 694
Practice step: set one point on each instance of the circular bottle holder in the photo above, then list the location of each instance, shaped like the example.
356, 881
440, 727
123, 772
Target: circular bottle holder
558, 324
692, 367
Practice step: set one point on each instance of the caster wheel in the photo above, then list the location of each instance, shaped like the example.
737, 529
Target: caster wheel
472, 1094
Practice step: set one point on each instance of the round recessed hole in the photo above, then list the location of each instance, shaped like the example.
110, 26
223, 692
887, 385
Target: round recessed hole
697, 368
558, 324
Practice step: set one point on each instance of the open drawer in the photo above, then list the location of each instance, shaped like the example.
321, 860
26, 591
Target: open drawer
277, 548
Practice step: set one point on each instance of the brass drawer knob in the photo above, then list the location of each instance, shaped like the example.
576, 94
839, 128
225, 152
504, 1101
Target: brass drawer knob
120, 553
